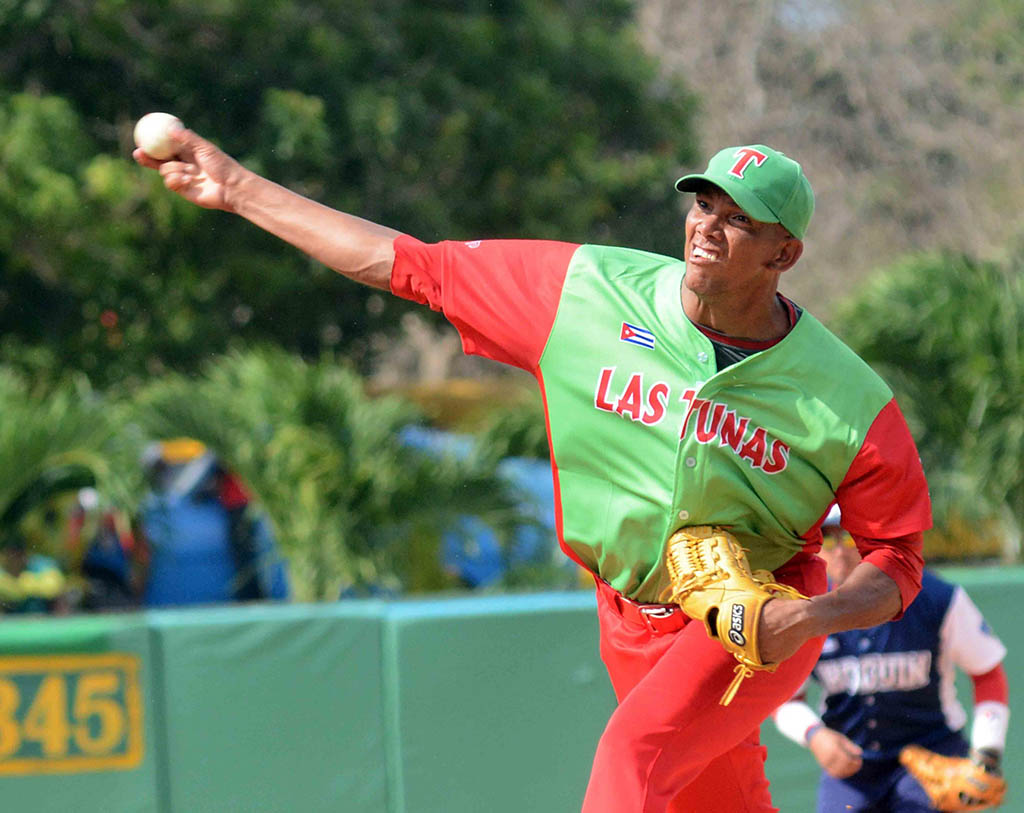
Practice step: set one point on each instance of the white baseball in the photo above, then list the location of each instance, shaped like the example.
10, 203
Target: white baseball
153, 135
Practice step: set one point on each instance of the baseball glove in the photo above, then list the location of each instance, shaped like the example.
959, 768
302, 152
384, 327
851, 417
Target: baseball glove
711, 580
954, 783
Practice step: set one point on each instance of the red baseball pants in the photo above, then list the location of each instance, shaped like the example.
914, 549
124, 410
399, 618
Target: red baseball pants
670, 747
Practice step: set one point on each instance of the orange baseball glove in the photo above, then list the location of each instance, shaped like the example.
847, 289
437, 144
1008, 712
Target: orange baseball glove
955, 783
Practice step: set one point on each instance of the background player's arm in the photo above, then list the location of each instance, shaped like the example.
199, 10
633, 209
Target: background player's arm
991, 715
836, 753
206, 176
974, 647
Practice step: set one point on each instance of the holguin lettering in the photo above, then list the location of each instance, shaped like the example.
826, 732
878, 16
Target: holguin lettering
876, 672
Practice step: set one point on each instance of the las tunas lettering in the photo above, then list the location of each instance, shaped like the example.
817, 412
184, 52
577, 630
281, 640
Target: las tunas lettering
648, 407
713, 422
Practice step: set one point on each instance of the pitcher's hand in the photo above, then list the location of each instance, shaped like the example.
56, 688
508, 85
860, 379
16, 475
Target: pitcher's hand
201, 173
785, 627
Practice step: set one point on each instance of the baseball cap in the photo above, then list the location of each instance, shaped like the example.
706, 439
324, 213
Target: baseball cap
765, 183
176, 451
833, 534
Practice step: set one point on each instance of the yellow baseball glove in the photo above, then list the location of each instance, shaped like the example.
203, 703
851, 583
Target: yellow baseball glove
711, 580
955, 783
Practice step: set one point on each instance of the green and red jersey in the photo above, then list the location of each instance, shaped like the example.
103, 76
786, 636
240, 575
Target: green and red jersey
648, 436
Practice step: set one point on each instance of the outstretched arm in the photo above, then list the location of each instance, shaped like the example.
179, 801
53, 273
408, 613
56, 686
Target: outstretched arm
205, 175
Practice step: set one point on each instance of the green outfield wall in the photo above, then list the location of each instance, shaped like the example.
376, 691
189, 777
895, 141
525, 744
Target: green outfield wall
455, 705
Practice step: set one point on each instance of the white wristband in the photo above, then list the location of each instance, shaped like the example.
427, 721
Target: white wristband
991, 719
794, 719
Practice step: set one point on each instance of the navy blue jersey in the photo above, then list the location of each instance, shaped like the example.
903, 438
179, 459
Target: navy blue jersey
893, 684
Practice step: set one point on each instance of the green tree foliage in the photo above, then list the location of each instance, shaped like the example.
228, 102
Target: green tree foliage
55, 441
516, 430
531, 118
352, 504
82, 236
948, 333
906, 116
985, 42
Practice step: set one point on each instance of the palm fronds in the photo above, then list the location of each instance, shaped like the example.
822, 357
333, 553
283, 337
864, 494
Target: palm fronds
947, 332
352, 505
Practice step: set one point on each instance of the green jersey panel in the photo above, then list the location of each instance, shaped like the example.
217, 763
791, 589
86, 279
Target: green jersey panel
647, 436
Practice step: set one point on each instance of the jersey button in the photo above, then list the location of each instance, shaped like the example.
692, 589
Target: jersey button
875, 746
702, 357
872, 723
691, 462
869, 700
684, 515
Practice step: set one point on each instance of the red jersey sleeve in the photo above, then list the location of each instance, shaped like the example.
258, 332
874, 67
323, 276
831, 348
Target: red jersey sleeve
885, 503
900, 559
501, 295
992, 686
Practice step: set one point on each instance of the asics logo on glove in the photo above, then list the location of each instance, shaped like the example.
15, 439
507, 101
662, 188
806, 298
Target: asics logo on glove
736, 621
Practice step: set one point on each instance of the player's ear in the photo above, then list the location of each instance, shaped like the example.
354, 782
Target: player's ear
787, 253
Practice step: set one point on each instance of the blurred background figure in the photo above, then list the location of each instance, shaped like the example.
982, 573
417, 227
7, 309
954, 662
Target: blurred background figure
30, 582
893, 685
474, 553
201, 541
100, 540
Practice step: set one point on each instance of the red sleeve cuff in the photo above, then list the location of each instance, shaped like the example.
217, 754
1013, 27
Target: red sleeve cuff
992, 686
416, 273
900, 559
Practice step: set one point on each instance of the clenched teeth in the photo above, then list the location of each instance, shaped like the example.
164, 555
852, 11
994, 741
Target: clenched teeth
704, 254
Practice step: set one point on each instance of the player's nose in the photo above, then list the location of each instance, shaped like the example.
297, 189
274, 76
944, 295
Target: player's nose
709, 224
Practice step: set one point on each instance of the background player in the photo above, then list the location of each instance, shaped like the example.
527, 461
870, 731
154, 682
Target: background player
892, 685
677, 394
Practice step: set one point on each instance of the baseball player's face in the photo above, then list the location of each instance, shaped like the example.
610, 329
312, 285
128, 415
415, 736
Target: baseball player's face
727, 251
841, 558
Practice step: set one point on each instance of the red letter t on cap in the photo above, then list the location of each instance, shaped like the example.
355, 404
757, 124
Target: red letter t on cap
744, 157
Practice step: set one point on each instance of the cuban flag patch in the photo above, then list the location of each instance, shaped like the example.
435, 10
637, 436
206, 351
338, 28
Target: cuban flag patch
637, 335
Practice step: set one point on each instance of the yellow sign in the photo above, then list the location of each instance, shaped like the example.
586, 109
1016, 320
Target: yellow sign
70, 713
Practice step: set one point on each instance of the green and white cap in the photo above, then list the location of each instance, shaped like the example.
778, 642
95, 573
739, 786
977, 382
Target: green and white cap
765, 183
